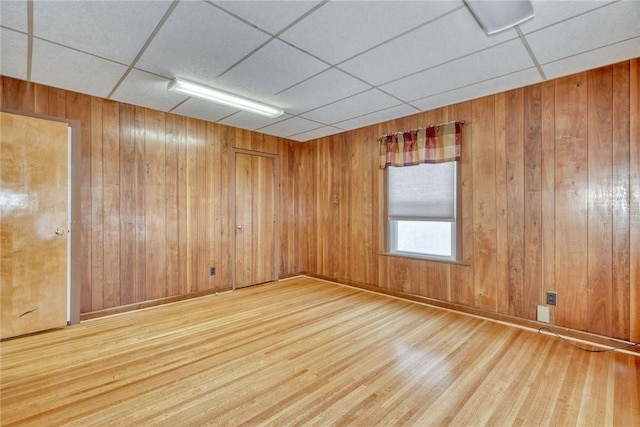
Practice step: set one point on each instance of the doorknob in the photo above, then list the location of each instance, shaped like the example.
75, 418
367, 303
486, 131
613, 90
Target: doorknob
239, 227
59, 231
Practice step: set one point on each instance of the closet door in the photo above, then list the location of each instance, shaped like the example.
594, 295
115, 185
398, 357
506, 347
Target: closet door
255, 219
33, 224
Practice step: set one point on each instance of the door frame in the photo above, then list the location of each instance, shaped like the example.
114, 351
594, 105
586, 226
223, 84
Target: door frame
74, 246
276, 201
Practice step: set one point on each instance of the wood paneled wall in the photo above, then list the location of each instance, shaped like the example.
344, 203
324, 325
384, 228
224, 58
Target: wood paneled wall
550, 193
551, 201
155, 196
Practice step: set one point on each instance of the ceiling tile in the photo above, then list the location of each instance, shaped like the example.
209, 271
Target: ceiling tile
289, 126
339, 65
13, 14
357, 105
246, 120
457, 36
273, 68
58, 66
548, 12
315, 133
147, 90
340, 29
271, 16
115, 30
611, 24
13, 55
327, 87
478, 90
377, 117
593, 59
205, 110
198, 42
488, 64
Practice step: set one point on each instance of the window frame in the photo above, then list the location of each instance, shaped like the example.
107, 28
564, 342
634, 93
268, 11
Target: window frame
456, 225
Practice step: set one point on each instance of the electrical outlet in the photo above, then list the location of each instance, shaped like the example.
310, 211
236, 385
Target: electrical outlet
212, 271
552, 298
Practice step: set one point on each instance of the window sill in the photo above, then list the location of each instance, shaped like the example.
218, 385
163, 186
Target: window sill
425, 258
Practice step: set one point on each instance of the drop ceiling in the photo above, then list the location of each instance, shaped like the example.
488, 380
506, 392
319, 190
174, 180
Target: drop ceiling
330, 65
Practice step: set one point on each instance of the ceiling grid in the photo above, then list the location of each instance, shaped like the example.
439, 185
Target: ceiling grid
331, 65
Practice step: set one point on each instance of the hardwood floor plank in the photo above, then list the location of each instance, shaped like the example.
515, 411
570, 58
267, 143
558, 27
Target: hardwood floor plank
304, 351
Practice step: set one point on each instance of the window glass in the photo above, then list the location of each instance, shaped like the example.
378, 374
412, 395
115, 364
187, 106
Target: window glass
425, 237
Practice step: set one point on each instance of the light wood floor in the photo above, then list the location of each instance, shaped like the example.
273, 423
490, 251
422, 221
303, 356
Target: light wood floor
308, 352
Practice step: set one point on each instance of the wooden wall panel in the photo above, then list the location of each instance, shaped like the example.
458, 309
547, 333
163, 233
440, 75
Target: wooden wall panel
138, 287
128, 201
332, 204
396, 274
97, 208
155, 206
547, 196
484, 204
515, 170
323, 207
172, 150
620, 201
339, 188
227, 225
550, 195
154, 196
182, 236
213, 203
41, 100
532, 274
57, 102
287, 213
19, 95
437, 276
462, 275
571, 189
201, 215
111, 203
549, 190
195, 137
305, 212
600, 200
361, 245
502, 207
634, 198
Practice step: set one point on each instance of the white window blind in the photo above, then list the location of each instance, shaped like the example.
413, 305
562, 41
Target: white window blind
424, 191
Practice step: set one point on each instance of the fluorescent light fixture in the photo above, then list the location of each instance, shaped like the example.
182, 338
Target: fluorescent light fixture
194, 89
498, 15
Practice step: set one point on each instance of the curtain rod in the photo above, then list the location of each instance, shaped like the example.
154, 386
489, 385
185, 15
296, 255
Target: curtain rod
430, 126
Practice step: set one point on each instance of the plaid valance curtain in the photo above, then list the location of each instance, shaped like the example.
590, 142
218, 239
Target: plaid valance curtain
433, 144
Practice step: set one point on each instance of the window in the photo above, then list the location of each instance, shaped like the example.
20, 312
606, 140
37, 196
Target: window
422, 210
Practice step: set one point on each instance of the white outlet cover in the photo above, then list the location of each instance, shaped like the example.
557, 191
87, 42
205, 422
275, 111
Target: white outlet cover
543, 313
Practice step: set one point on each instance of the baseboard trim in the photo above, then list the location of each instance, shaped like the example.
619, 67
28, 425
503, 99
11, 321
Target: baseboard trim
160, 301
572, 334
146, 304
